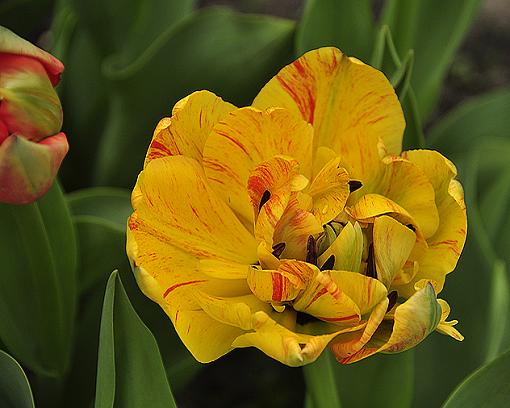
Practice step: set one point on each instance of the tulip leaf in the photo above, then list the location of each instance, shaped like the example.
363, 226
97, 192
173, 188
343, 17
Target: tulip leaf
486, 387
411, 22
389, 379
228, 53
400, 73
472, 122
15, 389
38, 282
130, 371
499, 307
346, 24
320, 382
100, 216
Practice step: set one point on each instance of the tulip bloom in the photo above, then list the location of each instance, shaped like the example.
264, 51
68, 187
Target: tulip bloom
297, 223
31, 147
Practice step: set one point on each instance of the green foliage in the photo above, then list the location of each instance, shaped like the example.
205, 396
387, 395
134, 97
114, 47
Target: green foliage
321, 382
130, 372
15, 390
486, 387
37, 283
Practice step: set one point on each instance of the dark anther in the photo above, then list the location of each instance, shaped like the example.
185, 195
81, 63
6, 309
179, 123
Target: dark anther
355, 185
411, 227
328, 265
278, 249
371, 270
311, 250
392, 297
265, 198
304, 318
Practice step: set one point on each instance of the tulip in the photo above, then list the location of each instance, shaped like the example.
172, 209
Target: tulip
31, 144
297, 223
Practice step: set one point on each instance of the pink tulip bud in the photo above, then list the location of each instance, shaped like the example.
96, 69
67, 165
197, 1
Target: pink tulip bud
31, 144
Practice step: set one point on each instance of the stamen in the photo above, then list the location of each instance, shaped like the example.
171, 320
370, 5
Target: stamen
278, 249
328, 265
392, 297
311, 250
265, 198
355, 185
371, 269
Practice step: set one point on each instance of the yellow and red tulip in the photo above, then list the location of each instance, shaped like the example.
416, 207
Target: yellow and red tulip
31, 144
297, 223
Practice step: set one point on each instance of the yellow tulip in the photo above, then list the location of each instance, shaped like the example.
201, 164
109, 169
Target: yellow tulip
297, 223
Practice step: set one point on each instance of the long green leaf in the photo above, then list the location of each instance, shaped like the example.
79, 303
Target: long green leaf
346, 24
320, 382
228, 53
15, 389
38, 282
130, 371
489, 386
434, 29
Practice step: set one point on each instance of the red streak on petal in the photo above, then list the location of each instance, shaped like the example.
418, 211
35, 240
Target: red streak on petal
178, 285
321, 292
339, 319
277, 286
160, 146
236, 142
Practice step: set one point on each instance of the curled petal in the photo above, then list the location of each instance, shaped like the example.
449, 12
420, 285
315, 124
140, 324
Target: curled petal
245, 138
347, 249
446, 327
186, 131
27, 169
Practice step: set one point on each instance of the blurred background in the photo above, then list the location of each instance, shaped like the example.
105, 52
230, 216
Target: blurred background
128, 62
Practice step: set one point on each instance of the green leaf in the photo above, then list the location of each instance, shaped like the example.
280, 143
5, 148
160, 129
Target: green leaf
320, 382
100, 216
378, 381
130, 371
38, 282
15, 389
434, 29
470, 124
486, 387
400, 74
129, 26
498, 334
228, 53
346, 24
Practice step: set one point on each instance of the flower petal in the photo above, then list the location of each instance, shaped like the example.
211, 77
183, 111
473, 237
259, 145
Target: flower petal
393, 243
445, 327
247, 137
351, 106
173, 199
347, 249
186, 131
27, 169
329, 191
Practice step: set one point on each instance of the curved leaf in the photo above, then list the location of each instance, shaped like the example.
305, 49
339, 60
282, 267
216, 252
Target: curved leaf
489, 386
130, 372
38, 282
228, 53
15, 389
346, 24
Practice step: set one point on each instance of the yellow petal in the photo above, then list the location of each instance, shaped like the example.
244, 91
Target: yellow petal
366, 292
177, 205
186, 131
446, 327
347, 344
323, 299
270, 186
280, 285
329, 191
351, 106
347, 249
294, 228
393, 243
247, 137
